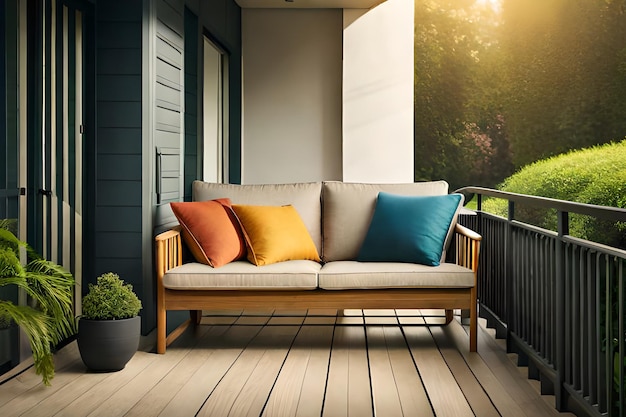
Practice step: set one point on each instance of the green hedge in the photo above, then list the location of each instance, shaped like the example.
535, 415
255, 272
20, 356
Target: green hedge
594, 175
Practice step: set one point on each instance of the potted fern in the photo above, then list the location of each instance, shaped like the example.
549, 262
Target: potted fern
48, 318
110, 327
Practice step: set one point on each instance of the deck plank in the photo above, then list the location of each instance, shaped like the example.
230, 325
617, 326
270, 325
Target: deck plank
293, 370
504, 402
30, 398
446, 397
67, 393
299, 389
221, 354
396, 385
157, 399
26, 381
244, 389
384, 394
95, 390
121, 390
503, 396
123, 400
499, 363
410, 387
348, 390
476, 396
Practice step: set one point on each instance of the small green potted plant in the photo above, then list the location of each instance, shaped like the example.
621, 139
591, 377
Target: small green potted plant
110, 327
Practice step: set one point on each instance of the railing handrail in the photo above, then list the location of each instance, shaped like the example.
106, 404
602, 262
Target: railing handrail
604, 212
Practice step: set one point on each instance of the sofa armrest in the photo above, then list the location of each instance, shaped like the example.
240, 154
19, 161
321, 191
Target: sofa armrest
169, 251
169, 254
467, 247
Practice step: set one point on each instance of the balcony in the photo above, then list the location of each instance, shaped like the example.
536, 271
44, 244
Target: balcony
551, 338
289, 363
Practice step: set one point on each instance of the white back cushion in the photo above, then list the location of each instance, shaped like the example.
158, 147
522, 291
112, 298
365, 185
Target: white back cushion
348, 208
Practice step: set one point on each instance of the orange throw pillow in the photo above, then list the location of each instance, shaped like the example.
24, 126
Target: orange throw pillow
211, 231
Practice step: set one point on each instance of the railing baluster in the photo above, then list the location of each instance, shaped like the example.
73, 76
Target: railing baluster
592, 350
608, 325
620, 335
572, 314
601, 397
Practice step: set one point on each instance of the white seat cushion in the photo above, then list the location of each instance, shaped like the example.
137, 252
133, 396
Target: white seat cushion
341, 275
242, 275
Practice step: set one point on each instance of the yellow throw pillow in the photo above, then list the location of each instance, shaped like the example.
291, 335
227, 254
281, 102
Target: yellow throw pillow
275, 234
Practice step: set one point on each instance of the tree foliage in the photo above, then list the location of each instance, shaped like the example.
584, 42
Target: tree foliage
596, 175
499, 88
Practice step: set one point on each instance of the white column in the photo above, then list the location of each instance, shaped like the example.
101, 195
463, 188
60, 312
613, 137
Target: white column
378, 71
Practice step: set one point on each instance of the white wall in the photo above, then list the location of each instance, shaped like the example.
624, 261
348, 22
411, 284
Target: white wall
292, 95
328, 94
378, 93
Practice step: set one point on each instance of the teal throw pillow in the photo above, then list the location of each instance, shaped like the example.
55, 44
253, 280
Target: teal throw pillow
409, 228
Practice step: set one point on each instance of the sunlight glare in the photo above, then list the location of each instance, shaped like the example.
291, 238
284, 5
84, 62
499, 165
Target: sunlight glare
493, 4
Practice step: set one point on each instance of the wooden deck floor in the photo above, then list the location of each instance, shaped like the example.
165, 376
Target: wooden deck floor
292, 364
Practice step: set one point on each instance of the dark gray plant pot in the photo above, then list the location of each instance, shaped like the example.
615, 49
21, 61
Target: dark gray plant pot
8, 337
107, 345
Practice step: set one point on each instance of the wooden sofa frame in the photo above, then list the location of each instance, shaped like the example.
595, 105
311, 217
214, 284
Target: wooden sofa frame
169, 253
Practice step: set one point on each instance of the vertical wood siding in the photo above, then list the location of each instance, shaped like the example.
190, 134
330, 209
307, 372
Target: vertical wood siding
169, 99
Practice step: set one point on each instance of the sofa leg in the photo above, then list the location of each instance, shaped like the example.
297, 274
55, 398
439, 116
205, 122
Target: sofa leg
161, 331
449, 316
195, 316
473, 331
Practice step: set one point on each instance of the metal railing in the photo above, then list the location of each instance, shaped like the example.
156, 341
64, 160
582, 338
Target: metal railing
557, 299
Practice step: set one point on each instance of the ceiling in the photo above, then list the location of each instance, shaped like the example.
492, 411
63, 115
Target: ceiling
309, 4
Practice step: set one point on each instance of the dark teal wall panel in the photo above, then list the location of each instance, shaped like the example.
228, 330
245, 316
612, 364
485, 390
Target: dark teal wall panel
191, 78
118, 34
118, 61
128, 269
192, 46
118, 219
119, 140
119, 87
119, 114
118, 167
119, 10
119, 193
191, 105
125, 245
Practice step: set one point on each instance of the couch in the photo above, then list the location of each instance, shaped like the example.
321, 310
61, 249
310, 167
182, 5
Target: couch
355, 250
